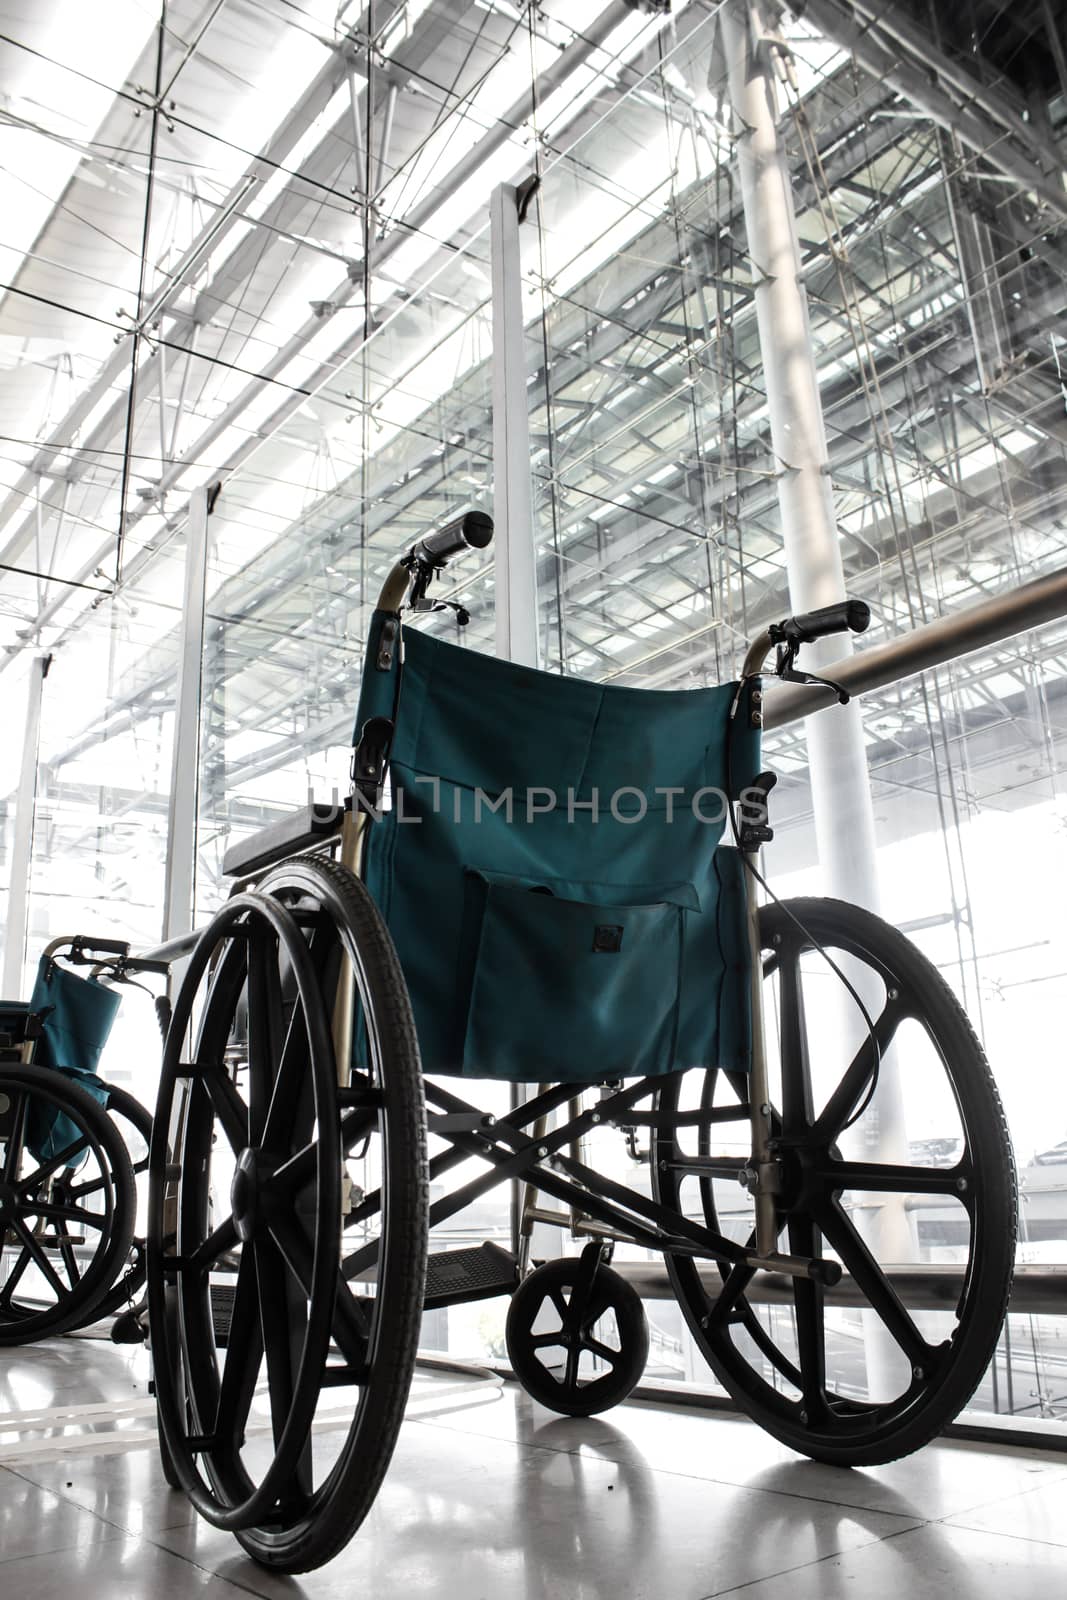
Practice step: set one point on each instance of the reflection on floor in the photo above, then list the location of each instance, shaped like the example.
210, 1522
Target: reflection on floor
496, 1499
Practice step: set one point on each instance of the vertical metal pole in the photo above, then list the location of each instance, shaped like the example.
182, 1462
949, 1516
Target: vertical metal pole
516, 585
162, 393
513, 546
387, 134
18, 895
1055, 43
840, 788
38, 541
185, 767
976, 257
357, 130
179, 409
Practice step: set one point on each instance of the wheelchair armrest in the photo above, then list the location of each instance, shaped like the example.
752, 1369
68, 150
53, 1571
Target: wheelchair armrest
300, 831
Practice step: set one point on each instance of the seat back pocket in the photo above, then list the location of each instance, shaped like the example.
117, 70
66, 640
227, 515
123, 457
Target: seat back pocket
570, 989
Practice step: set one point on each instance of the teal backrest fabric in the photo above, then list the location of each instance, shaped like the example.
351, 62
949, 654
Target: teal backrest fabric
78, 1015
551, 868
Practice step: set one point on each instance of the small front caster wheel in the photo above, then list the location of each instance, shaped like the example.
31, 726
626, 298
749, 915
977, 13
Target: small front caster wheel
577, 1336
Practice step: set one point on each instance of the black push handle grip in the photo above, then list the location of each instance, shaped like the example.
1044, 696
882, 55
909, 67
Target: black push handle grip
86, 948
146, 964
846, 616
472, 531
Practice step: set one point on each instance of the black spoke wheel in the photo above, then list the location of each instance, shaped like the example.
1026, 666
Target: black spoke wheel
266, 1161
66, 1219
134, 1124
577, 1336
888, 1160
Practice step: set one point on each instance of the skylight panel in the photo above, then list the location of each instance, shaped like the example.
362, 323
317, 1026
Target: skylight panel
40, 91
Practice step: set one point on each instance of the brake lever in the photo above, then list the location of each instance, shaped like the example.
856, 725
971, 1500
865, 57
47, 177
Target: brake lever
463, 616
788, 672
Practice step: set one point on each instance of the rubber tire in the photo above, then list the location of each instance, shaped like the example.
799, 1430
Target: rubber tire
323, 1530
80, 1306
610, 1291
368, 1451
990, 1142
166, 1460
185, 1365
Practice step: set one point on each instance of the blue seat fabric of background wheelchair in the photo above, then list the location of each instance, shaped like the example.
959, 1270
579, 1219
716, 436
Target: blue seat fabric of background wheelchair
78, 1016
553, 947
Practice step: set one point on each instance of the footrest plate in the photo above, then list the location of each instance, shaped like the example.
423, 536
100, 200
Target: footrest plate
221, 1312
455, 1276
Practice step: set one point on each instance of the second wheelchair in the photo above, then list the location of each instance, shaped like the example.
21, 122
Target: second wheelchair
72, 1148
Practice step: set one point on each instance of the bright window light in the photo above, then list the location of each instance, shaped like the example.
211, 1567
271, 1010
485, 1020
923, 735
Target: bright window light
67, 31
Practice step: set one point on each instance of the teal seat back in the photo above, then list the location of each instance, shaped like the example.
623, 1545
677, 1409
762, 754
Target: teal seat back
551, 867
78, 1014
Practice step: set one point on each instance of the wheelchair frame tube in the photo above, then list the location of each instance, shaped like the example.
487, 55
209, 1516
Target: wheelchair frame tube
344, 1011
758, 1082
757, 654
394, 590
391, 597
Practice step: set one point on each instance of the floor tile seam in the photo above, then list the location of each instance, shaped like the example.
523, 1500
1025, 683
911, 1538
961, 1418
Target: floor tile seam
914, 1518
999, 1533
209, 1572
802, 1566
144, 1536
65, 1549
1005, 1498
88, 1511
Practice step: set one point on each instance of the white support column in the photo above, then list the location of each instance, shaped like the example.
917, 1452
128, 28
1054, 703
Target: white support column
844, 819
516, 582
840, 786
18, 897
185, 767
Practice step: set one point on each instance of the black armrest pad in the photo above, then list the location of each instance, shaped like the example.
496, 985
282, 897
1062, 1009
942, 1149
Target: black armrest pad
300, 831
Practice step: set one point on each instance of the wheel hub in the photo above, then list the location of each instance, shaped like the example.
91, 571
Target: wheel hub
246, 1190
793, 1181
7, 1196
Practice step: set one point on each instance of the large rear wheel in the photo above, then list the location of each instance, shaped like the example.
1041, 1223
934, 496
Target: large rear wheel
895, 1162
67, 1204
269, 1159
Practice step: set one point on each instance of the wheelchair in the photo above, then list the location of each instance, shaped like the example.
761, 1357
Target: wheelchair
72, 1148
531, 882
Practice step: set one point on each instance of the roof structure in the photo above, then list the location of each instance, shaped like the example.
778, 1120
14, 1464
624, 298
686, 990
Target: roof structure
247, 243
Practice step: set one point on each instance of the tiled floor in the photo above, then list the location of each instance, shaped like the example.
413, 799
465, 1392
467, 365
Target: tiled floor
496, 1499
